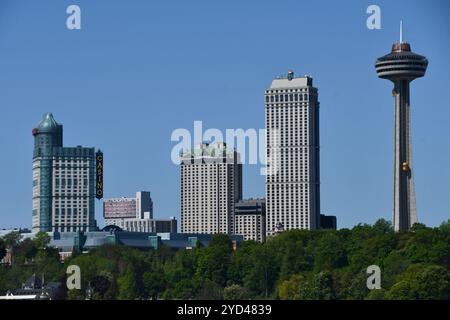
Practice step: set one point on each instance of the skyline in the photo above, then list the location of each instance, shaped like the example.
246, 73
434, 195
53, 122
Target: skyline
344, 192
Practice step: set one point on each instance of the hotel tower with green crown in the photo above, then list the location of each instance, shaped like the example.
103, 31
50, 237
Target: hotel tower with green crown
63, 182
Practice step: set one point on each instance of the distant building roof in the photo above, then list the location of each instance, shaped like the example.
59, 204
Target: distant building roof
33, 282
283, 83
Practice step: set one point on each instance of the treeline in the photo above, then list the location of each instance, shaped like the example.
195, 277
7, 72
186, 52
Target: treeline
296, 264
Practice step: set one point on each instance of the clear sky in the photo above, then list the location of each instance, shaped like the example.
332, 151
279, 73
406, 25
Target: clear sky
137, 70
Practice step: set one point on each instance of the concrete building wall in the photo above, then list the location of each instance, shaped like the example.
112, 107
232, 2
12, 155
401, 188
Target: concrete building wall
211, 183
250, 219
293, 183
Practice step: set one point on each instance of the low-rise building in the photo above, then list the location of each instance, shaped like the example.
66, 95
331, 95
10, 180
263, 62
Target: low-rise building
151, 225
328, 222
83, 242
135, 214
250, 219
35, 289
118, 210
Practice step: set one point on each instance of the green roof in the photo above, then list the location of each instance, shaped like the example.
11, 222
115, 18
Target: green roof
48, 124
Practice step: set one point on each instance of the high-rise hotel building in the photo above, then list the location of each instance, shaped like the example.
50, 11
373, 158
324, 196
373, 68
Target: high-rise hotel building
293, 177
63, 182
211, 184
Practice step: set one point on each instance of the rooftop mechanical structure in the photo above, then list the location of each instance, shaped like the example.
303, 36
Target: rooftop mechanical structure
402, 66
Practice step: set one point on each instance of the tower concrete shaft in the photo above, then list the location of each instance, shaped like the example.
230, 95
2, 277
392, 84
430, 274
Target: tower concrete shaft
404, 211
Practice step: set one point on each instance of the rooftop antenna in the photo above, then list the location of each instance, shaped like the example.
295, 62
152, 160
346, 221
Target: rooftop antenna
401, 31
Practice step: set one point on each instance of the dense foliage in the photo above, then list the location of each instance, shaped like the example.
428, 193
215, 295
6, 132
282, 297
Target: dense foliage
296, 264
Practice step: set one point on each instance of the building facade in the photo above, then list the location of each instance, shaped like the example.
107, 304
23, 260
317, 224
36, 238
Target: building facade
117, 210
63, 182
293, 176
135, 214
211, 184
250, 219
68, 242
151, 225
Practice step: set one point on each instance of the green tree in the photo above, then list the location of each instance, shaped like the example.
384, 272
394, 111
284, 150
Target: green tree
393, 265
241, 263
376, 294
42, 240
25, 252
357, 286
101, 286
128, 286
154, 283
329, 252
214, 261
432, 283
401, 291
263, 275
289, 289
423, 282
235, 292
428, 246
210, 291
319, 287
76, 294
12, 241
184, 289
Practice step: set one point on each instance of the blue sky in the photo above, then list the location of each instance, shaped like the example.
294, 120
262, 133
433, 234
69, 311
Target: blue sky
137, 70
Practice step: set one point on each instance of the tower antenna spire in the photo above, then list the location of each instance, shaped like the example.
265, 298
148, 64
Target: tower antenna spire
401, 31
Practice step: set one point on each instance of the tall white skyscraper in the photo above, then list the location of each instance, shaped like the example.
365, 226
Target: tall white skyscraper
293, 179
211, 184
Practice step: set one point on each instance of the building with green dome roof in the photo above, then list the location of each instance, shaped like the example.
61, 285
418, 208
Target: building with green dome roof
63, 181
